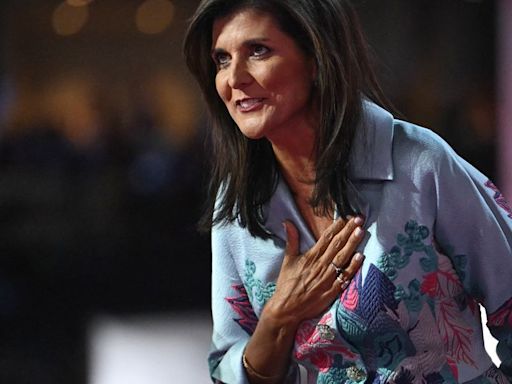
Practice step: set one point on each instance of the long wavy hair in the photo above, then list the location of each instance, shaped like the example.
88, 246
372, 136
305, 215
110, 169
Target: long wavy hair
244, 171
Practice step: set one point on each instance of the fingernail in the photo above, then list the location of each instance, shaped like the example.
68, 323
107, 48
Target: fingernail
358, 256
358, 220
358, 232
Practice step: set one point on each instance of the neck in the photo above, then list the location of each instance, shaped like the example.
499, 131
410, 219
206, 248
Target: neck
297, 163
296, 159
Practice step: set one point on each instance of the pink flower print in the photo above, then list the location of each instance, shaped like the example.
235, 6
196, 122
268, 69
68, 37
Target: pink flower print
316, 342
499, 198
442, 286
501, 317
350, 297
243, 308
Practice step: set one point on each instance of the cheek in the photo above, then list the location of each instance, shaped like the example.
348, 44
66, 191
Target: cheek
290, 89
286, 81
269, 77
221, 87
300, 84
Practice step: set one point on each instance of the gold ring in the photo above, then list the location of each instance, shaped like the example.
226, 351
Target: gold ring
337, 269
344, 282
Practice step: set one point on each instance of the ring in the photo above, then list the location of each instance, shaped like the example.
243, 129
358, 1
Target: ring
343, 281
338, 270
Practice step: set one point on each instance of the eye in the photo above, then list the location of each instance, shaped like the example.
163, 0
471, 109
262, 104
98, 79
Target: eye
221, 59
259, 50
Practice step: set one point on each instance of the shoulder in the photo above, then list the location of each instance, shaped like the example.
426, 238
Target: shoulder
419, 148
411, 137
229, 237
384, 147
227, 232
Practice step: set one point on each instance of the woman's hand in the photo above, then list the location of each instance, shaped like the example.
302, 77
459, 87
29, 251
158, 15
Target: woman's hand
306, 286
309, 283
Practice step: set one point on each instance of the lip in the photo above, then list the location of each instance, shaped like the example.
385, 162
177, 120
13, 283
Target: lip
249, 104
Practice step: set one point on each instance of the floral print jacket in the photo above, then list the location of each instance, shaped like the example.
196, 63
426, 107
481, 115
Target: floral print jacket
438, 244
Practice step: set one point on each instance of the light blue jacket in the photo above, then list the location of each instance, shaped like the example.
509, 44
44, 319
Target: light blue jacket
439, 241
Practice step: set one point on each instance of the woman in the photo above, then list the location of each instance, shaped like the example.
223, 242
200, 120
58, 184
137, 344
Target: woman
308, 175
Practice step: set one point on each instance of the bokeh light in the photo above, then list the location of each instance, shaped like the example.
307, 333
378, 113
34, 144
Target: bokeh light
154, 16
68, 20
78, 3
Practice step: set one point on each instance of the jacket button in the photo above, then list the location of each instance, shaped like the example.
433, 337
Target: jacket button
356, 374
326, 332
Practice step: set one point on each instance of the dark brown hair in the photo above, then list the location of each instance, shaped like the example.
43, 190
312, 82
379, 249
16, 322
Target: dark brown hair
244, 171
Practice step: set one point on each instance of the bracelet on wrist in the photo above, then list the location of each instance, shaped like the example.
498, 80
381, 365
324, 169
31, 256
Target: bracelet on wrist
252, 372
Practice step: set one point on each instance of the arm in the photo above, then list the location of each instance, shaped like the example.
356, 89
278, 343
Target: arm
306, 286
474, 226
234, 319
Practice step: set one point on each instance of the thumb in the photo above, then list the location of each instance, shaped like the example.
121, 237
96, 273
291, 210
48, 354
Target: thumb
292, 239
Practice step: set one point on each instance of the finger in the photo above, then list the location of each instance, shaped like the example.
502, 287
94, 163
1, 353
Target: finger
344, 255
343, 280
327, 236
354, 265
341, 283
340, 240
292, 239
334, 291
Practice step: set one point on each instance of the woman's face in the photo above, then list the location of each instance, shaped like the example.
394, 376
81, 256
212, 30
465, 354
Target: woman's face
263, 77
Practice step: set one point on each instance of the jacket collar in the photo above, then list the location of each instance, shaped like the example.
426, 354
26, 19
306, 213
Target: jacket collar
371, 159
371, 154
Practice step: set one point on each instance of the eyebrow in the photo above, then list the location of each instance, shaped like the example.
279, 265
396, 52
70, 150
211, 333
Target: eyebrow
247, 42
215, 51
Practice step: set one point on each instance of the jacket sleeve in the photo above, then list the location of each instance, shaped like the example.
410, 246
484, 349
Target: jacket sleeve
474, 226
233, 316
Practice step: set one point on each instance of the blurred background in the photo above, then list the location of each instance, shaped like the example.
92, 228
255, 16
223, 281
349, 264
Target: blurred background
103, 276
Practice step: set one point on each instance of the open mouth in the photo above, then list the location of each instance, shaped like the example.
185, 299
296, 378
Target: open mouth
249, 104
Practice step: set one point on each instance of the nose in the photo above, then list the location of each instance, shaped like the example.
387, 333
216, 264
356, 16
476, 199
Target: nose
239, 75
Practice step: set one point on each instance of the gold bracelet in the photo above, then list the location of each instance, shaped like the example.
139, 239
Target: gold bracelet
250, 370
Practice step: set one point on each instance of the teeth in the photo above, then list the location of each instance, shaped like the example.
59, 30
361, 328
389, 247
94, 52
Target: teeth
247, 103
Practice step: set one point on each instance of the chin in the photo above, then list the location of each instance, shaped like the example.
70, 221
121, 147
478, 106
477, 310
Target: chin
252, 133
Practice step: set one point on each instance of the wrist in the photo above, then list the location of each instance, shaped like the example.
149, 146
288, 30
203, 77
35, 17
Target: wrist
257, 376
279, 320
266, 358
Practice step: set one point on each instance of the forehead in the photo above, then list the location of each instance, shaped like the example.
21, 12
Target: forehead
244, 24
